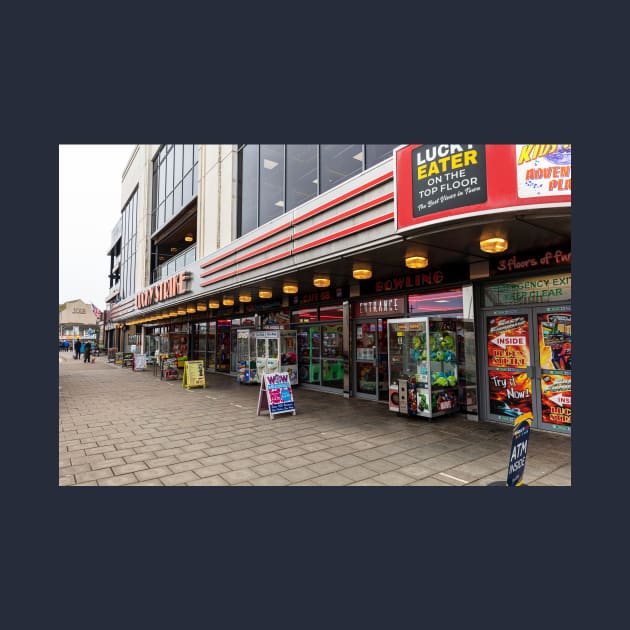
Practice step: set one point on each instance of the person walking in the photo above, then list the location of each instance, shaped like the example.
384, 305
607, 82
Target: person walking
66, 345
86, 352
77, 348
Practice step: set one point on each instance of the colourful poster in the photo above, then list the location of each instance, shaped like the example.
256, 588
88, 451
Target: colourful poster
508, 342
556, 399
543, 170
554, 340
276, 394
510, 393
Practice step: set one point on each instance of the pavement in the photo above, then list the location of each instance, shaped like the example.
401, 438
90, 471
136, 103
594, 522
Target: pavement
119, 427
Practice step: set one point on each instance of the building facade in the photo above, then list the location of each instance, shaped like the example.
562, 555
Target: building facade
334, 242
78, 319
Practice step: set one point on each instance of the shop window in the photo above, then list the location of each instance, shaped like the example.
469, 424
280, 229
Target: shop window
450, 301
326, 313
304, 316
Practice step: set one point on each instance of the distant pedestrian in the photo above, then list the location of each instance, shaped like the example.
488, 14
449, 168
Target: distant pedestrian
87, 352
77, 348
66, 345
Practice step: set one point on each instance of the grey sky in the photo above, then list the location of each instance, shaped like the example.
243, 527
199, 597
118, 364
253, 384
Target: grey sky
90, 177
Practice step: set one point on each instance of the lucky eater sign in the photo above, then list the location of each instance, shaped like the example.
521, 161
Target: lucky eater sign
448, 176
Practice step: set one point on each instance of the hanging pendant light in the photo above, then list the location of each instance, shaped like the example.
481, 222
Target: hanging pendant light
493, 245
361, 271
416, 262
290, 287
321, 281
265, 294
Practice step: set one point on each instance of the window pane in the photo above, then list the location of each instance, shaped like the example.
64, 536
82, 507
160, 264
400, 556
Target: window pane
187, 189
177, 163
169, 173
162, 182
248, 189
271, 181
188, 157
301, 174
339, 162
375, 153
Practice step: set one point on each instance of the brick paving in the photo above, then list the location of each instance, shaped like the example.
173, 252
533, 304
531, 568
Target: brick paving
123, 428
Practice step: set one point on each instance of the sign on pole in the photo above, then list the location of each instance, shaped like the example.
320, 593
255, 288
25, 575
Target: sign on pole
518, 452
276, 394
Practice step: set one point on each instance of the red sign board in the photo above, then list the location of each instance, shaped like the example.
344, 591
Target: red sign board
441, 182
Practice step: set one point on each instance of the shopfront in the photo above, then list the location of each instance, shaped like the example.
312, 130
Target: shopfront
525, 354
320, 346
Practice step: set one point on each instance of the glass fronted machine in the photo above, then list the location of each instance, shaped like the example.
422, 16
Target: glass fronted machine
423, 366
266, 352
246, 355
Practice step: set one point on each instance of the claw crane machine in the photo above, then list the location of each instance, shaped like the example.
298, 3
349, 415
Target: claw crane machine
246, 356
423, 366
276, 351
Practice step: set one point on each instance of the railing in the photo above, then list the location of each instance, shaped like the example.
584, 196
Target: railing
175, 264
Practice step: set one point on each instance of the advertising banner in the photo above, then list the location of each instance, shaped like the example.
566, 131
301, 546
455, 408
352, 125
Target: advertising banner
194, 376
518, 451
448, 176
509, 386
543, 170
554, 339
435, 183
556, 399
508, 342
276, 394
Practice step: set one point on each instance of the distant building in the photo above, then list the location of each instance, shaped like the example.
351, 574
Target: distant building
79, 319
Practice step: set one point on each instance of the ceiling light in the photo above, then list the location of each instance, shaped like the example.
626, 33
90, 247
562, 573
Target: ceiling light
321, 281
269, 164
493, 245
416, 262
361, 272
181, 310
201, 307
173, 250
228, 300
188, 238
290, 287
213, 304
265, 294
172, 313
191, 308
244, 297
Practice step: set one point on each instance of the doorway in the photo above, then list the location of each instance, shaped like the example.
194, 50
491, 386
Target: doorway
528, 365
370, 359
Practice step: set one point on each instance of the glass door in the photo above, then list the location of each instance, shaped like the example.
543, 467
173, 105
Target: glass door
509, 365
370, 359
554, 375
528, 366
365, 344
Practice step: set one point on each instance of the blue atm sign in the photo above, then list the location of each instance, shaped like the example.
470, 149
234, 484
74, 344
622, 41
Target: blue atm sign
518, 452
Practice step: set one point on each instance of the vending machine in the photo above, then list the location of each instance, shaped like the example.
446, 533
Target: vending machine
276, 351
422, 355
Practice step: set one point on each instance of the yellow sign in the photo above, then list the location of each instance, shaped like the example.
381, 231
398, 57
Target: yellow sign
194, 376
